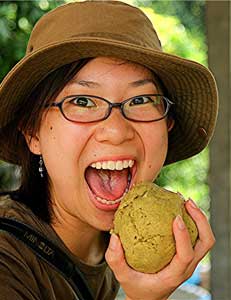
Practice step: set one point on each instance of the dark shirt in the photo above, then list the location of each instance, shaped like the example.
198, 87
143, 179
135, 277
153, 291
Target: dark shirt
24, 276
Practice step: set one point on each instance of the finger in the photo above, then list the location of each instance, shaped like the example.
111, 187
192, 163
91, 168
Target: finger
179, 268
184, 250
116, 260
206, 237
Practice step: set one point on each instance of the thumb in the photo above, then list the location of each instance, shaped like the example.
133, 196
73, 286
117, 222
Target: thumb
115, 258
114, 253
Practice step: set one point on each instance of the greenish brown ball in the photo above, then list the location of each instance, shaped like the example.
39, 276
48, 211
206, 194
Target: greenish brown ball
144, 221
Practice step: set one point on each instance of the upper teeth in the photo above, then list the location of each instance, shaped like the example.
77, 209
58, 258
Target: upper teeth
113, 165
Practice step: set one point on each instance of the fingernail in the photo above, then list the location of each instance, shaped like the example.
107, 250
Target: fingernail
192, 203
113, 242
180, 222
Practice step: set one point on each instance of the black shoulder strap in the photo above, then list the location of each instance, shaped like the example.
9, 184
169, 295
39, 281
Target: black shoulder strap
50, 253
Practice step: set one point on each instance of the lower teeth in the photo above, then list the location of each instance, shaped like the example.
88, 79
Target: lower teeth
104, 201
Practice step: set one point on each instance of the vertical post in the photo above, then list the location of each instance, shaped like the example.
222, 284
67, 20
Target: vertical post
219, 47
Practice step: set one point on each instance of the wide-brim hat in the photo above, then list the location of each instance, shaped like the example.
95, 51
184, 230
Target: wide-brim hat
110, 28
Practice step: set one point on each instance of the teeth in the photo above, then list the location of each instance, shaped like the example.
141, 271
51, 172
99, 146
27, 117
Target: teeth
126, 163
119, 165
104, 201
130, 163
113, 165
98, 165
104, 165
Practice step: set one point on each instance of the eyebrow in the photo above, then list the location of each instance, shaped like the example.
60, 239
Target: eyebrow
86, 83
141, 82
92, 84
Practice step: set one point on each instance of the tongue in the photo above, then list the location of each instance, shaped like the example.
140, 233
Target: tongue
106, 184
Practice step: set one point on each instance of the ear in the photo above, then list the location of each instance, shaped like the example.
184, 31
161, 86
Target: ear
33, 143
170, 123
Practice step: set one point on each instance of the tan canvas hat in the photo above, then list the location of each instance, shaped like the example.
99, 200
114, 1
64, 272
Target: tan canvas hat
111, 28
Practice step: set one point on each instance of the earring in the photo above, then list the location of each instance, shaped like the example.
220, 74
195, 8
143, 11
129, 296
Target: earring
41, 168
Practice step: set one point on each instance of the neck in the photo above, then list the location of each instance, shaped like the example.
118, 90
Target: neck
85, 242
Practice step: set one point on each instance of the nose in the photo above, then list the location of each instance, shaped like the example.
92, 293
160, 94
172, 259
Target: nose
115, 129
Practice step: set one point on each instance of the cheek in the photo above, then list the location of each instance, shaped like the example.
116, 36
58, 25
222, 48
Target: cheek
61, 145
155, 148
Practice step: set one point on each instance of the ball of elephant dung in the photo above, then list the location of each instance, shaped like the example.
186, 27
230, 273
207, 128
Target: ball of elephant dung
144, 221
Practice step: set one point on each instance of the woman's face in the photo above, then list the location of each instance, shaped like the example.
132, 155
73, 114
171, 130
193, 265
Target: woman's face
78, 156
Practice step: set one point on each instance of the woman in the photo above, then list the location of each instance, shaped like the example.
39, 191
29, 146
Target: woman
94, 107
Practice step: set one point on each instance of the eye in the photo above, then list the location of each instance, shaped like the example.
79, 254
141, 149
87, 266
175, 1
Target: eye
140, 100
83, 101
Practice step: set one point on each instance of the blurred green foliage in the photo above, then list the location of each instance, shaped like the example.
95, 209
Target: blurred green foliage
175, 37
191, 13
17, 19
181, 28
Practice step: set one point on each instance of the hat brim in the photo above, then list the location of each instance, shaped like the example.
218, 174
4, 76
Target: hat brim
191, 86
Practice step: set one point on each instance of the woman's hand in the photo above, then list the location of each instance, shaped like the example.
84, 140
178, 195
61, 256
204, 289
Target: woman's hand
159, 286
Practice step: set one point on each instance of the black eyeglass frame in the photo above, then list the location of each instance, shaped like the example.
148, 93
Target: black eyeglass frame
111, 105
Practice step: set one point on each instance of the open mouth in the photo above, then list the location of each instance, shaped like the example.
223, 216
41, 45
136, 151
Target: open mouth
110, 180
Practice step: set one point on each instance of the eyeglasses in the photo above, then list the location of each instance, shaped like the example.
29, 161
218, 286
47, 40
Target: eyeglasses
88, 108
